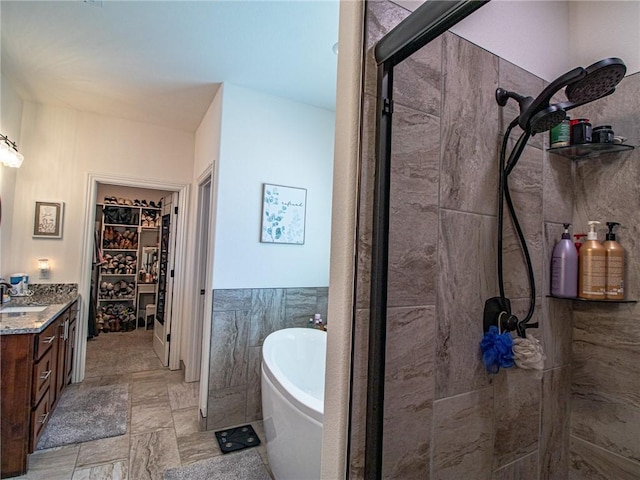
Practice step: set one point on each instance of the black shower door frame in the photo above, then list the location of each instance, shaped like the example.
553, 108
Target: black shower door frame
430, 20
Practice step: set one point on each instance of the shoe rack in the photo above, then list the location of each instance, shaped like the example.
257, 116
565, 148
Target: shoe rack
127, 278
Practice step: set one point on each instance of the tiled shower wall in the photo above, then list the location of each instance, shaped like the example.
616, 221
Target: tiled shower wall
242, 319
444, 417
605, 403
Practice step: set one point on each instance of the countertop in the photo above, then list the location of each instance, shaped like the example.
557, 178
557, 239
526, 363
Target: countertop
34, 322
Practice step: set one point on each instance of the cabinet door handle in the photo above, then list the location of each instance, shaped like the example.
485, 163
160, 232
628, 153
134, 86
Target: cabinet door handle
49, 339
44, 418
45, 375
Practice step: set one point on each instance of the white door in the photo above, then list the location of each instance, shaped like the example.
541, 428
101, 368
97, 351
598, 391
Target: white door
162, 321
192, 370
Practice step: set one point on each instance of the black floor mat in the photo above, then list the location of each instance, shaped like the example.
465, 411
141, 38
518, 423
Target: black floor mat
237, 438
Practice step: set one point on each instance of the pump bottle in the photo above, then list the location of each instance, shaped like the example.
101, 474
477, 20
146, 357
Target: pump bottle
615, 265
593, 266
564, 267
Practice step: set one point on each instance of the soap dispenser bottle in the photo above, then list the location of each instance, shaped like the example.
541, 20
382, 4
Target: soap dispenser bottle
593, 266
615, 265
564, 267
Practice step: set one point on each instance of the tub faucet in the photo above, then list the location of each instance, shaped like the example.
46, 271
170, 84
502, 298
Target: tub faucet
4, 287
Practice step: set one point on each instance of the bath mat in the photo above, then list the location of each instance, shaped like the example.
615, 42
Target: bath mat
237, 438
245, 465
85, 414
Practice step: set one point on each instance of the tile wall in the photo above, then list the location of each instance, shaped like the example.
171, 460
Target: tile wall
605, 403
444, 417
242, 319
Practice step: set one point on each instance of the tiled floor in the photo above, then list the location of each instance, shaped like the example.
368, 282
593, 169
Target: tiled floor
162, 427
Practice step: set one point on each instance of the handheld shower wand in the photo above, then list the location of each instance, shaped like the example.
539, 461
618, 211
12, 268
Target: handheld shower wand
582, 85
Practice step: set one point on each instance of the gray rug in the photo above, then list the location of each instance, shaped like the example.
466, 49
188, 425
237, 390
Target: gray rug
243, 465
85, 414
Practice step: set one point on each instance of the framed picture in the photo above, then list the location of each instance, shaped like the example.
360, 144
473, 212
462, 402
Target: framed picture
283, 214
47, 221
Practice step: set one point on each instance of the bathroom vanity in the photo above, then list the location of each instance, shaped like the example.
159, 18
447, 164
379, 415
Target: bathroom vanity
36, 354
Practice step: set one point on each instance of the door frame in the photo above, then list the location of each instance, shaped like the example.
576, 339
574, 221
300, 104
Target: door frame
84, 287
197, 345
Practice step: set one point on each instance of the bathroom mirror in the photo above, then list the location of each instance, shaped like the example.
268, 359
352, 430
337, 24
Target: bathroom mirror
149, 265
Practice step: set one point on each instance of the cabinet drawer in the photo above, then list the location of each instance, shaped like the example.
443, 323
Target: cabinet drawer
45, 339
43, 371
39, 418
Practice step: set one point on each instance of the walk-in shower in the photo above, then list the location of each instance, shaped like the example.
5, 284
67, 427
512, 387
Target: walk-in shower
537, 114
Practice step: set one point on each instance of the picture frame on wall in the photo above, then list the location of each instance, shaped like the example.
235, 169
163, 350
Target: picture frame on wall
48, 218
284, 211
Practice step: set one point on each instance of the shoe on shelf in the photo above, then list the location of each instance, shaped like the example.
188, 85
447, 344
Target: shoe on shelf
143, 203
120, 201
128, 202
136, 203
152, 204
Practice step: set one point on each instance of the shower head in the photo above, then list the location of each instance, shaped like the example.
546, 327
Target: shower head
546, 119
583, 85
600, 80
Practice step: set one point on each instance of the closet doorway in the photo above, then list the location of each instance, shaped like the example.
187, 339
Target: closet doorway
120, 283
130, 288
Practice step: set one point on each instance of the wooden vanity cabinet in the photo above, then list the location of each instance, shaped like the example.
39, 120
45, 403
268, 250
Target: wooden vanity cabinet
35, 369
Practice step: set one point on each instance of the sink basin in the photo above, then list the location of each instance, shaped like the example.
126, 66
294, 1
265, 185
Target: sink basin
21, 309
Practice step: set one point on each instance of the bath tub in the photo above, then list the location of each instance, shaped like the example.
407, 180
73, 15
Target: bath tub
293, 366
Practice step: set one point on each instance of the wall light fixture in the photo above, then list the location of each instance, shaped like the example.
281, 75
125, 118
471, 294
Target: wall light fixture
44, 267
9, 154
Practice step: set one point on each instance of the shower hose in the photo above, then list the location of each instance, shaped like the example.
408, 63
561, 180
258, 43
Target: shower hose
504, 196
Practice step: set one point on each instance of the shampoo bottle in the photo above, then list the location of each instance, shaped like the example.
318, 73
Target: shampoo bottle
615, 265
593, 266
564, 267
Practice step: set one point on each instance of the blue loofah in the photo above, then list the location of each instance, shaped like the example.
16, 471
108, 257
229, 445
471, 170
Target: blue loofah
497, 350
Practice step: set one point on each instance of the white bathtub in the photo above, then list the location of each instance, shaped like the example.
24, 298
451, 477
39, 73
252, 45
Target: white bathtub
293, 366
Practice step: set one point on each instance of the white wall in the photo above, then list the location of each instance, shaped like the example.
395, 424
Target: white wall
10, 121
549, 38
531, 34
345, 200
207, 146
605, 29
207, 151
61, 146
266, 139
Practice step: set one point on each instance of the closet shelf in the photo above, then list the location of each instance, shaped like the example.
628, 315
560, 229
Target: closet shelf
126, 299
127, 206
589, 300
587, 150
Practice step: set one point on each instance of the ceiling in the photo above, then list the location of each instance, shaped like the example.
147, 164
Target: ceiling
162, 62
